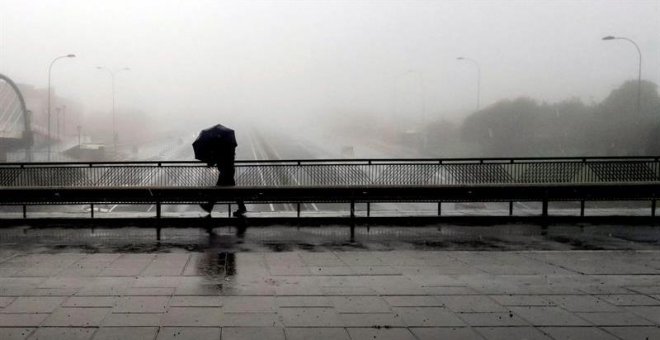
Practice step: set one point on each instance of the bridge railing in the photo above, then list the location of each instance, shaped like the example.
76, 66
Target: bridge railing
337, 172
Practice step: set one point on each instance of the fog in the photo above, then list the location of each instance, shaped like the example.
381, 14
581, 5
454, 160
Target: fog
305, 64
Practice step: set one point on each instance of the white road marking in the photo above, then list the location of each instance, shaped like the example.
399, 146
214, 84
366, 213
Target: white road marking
277, 155
263, 180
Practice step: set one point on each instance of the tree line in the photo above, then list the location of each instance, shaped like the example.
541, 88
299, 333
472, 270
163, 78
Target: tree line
523, 127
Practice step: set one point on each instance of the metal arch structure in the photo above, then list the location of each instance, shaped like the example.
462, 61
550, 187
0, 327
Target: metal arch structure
12, 109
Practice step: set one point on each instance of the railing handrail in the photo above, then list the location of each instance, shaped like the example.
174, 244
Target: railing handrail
359, 161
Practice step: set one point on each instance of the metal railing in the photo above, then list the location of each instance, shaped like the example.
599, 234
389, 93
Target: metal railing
337, 172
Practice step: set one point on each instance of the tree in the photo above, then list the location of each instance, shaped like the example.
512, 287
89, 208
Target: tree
620, 129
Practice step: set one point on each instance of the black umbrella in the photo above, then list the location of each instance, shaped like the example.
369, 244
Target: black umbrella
213, 142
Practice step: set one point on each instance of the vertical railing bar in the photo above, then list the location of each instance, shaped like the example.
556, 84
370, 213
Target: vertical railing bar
653, 205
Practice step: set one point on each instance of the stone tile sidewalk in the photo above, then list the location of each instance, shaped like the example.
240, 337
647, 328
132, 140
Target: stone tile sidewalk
400, 294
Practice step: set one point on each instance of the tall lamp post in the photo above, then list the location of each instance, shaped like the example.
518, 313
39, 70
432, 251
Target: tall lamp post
639, 69
478, 76
114, 122
50, 68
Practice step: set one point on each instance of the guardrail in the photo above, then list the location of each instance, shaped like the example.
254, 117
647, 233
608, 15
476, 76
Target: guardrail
338, 172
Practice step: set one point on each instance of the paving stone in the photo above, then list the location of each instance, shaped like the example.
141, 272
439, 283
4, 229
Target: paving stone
549, 316
164, 281
360, 304
344, 291
10, 333
6, 300
471, 303
166, 265
508, 333
77, 317
316, 334
199, 290
454, 333
577, 333
249, 304
441, 290
322, 259
126, 333
372, 320
615, 319
148, 291
380, 334
428, 317
192, 316
582, 303
492, 319
252, 333
630, 300
634, 333
303, 301
309, 317
250, 320
189, 333
128, 265
33, 304
651, 313
132, 320
195, 301
649, 290
330, 271
69, 333
52, 292
90, 301
141, 304
522, 300
413, 301
375, 270
22, 320
91, 265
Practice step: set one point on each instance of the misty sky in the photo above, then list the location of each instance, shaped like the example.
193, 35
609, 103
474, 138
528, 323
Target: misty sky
283, 60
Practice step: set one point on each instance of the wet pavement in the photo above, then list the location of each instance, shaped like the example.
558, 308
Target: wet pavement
503, 282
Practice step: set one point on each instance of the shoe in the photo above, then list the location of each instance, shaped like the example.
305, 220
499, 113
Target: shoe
208, 207
239, 213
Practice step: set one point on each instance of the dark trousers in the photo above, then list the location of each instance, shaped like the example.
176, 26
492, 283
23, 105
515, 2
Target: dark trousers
226, 177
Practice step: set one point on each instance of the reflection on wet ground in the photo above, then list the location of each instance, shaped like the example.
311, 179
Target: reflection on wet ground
318, 239
503, 282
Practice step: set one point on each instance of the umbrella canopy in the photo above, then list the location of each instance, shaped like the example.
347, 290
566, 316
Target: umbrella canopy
213, 143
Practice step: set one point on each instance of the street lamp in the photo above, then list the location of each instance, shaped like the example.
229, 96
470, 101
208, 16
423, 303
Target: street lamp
639, 69
478, 76
49, 71
114, 125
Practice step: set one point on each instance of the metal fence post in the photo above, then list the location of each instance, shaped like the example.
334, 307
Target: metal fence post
544, 208
582, 208
298, 209
653, 204
91, 209
368, 209
158, 210
439, 208
25, 210
352, 209
510, 208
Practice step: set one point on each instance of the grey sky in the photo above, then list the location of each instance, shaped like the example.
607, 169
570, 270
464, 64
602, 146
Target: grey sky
278, 60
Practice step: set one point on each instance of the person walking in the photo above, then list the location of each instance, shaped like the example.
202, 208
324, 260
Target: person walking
225, 164
217, 147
